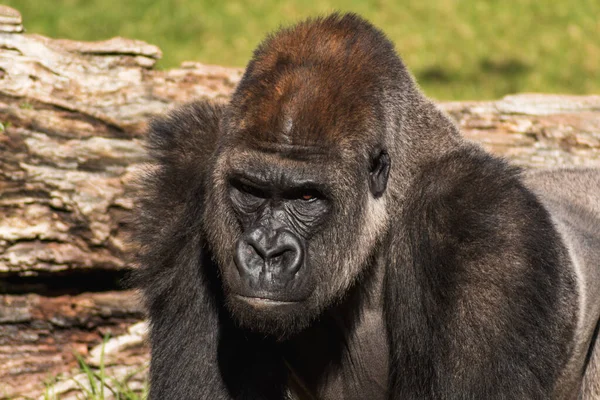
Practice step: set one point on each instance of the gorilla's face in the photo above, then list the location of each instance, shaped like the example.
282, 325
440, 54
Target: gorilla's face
279, 216
291, 231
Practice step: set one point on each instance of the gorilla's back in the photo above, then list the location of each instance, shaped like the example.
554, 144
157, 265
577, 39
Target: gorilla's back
572, 197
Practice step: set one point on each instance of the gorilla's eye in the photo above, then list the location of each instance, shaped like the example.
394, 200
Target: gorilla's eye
307, 195
247, 197
249, 189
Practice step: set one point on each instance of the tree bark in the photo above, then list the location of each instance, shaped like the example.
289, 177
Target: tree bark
73, 117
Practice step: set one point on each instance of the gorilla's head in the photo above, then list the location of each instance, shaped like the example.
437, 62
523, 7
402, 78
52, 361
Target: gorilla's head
297, 199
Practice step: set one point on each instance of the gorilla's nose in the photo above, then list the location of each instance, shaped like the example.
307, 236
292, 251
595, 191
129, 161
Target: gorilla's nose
275, 255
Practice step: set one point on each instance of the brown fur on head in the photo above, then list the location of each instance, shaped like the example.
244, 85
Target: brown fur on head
320, 83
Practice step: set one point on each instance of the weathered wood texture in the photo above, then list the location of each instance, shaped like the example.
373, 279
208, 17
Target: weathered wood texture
73, 117
39, 336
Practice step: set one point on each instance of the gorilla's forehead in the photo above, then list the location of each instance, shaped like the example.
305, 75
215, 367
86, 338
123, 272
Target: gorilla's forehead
273, 167
308, 109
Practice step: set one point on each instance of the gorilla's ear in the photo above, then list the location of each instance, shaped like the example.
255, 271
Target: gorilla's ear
378, 175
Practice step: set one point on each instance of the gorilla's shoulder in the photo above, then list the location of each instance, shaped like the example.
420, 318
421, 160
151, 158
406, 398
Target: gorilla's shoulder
471, 198
188, 131
468, 177
171, 189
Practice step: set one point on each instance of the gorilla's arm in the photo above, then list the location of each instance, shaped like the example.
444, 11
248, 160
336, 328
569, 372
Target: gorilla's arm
479, 299
176, 289
196, 353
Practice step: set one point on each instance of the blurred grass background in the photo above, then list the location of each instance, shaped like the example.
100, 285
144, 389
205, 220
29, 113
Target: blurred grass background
458, 49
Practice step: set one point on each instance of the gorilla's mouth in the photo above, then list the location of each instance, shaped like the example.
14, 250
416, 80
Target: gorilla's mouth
263, 302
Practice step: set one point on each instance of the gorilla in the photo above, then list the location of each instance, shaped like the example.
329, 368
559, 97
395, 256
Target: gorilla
328, 234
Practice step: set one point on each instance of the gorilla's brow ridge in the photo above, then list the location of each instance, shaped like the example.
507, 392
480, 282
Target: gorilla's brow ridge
282, 179
293, 151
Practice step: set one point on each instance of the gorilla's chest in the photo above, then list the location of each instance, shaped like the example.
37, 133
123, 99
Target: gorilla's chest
347, 365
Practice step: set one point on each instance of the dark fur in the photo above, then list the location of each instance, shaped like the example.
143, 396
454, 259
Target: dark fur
467, 274
485, 285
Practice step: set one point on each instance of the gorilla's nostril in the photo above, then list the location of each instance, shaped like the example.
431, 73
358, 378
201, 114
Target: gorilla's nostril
282, 260
256, 241
278, 252
247, 260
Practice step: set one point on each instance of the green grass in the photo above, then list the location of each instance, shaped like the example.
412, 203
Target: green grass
96, 384
458, 49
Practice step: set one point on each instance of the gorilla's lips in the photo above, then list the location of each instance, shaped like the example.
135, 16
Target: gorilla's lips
264, 303
266, 288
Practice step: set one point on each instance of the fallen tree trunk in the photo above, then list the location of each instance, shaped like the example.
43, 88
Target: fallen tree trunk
73, 116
